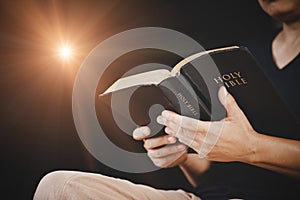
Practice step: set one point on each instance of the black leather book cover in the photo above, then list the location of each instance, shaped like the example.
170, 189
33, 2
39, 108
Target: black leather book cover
239, 72
194, 93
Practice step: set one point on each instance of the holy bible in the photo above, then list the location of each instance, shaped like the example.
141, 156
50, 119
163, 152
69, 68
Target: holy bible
191, 87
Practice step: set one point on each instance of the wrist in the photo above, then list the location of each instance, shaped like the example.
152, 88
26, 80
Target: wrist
193, 158
184, 163
252, 147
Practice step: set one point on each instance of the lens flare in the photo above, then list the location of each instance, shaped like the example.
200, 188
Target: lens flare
65, 52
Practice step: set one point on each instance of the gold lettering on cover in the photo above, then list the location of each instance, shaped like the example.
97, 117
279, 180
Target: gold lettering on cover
238, 74
244, 81
226, 77
187, 103
232, 83
231, 79
218, 80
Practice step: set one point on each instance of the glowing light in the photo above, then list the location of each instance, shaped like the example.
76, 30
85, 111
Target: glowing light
65, 52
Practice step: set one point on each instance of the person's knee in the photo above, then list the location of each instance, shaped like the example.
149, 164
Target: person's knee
52, 185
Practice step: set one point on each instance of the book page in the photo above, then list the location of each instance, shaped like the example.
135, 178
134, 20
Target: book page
147, 78
156, 76
178, 66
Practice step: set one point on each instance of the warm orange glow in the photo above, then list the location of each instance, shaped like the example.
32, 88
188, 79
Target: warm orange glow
65, 52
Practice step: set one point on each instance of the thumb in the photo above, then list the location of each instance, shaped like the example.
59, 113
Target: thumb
228, 102
141, 133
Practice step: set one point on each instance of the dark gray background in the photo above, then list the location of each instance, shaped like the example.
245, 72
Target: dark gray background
37, 130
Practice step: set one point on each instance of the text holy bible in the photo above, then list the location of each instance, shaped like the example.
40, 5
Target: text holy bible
191, 87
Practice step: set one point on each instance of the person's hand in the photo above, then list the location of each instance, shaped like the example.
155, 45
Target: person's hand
164, 151
226, 140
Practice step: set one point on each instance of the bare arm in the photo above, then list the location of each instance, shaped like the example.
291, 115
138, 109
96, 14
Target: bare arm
193, 167
277, 154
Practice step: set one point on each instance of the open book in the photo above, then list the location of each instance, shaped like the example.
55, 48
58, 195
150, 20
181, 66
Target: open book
191, 87
155, 77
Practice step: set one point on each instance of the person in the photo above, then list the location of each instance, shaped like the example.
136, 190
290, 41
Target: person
240, 160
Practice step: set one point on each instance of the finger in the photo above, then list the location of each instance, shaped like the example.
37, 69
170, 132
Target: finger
166, 151
172, 126
169, 118
198, 146
228, 102
188, 140
155, 142
183, 134
167, 161
141, 133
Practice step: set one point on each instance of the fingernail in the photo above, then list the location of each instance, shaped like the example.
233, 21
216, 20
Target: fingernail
160, 120
172, 140
141, 131
222, 93
165, 114
223, 90
144, 129
181, 147
168, 130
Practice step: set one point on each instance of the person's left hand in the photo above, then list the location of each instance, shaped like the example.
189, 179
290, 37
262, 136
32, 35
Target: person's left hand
227, 140
164, 151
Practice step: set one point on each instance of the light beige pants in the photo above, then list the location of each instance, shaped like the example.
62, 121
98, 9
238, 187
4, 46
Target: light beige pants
69, 185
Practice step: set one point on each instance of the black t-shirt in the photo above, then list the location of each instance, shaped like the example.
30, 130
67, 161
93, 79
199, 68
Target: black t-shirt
239, 180
286, 80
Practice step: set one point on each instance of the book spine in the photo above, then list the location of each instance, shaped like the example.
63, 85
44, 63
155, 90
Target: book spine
182, 98
207, 91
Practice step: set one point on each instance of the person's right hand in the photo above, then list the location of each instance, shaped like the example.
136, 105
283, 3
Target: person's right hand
164, 151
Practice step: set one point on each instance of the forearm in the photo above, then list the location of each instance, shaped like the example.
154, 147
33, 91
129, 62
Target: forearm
277, 154
193, 167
